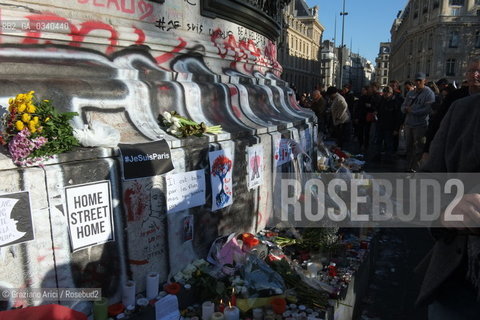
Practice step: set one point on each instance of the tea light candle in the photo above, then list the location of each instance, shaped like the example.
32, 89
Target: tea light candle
231, 313
208, 308
217, 316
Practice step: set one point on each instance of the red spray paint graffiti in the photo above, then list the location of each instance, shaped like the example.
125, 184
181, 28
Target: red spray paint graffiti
136, 201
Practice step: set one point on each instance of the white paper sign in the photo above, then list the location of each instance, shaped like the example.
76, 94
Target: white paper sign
221, 166
8, 226
185, 190
282, 152
254, 166
167, 308
89, 214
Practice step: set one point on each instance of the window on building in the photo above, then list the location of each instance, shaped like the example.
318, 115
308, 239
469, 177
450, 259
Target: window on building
430, 41
477, 1
384, 81
385, 64
455, 12
410, 49
409, 70
477, 39
454, 39
450, 67
420, 45
427, 68
457, 2
385, 73
436, 4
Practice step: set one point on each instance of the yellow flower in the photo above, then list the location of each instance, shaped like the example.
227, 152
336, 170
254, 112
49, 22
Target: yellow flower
31, 92
35, 119
20, 96
11, 101
19, 125
46, 100
22, 107
32, 127
26, 117
31, 108
46, 119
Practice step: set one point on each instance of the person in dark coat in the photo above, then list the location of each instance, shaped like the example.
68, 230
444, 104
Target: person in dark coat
387, 115
451, 286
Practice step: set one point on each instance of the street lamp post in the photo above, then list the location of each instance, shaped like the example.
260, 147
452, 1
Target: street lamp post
343, 14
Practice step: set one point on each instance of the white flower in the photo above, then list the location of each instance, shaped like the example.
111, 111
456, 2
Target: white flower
189, 270
176, 122
167, 116
180, 277
199, 263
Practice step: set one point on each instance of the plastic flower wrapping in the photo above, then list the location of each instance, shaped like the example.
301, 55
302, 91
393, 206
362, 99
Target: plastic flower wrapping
182, 127
33, 131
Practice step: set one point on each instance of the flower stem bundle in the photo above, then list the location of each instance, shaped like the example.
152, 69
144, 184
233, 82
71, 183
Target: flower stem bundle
182, 127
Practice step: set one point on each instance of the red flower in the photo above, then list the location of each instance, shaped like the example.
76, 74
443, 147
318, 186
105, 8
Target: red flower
172, 288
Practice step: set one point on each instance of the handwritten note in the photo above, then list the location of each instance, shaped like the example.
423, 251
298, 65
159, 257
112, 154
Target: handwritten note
185, 190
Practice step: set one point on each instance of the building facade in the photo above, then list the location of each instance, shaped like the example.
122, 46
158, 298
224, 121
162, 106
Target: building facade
300, 54
436, 37
329, 64
382, 64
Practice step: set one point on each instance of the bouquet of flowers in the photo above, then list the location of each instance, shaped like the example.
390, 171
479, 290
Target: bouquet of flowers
32, 130
182, 127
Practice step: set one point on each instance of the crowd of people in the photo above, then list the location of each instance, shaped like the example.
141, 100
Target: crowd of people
378, 119
441, 124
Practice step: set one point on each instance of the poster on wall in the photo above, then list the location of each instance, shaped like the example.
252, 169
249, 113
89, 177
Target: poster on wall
255, 166
89, 214
282, 152
16, 224
185, 190
143, 160
221, 166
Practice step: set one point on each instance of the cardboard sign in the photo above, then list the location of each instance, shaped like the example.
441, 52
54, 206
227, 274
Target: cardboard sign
16, 224
221, 167
145, 159
254, 166
185, 190
89, 214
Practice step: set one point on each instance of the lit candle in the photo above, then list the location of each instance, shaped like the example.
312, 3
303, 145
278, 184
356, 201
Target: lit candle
221, 306
208, 308
231, 313
234, 298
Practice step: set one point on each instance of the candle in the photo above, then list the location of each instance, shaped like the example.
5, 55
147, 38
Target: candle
231, 313
234, 298
312, 269
217, 316
100, 309
221, 306
208, 308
